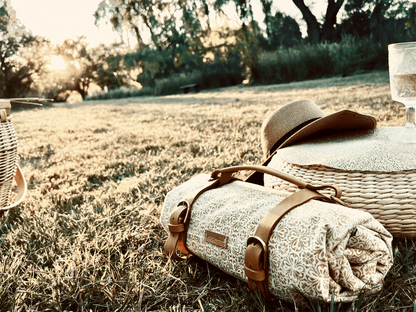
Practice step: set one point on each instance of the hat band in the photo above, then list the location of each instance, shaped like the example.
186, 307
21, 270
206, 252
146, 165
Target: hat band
289, 134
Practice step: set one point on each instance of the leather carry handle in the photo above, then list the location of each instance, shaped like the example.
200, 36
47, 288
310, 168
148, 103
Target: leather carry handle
21, 190
225, 175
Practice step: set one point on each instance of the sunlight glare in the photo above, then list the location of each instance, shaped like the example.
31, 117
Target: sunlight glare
57, 63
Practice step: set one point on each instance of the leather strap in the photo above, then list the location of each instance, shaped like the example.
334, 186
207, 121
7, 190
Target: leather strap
225, 175
21, 190
256, 257
179, 222
289, 134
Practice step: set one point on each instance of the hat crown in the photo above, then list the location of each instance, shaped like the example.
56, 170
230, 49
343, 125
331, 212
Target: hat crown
300, 119
283, 121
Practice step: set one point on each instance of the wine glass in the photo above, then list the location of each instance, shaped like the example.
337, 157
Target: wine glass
402, 71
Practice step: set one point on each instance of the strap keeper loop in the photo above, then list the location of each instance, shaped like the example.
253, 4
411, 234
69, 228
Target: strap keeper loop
254, 275
176, 228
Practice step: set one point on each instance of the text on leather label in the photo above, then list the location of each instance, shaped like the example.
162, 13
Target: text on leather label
216, 239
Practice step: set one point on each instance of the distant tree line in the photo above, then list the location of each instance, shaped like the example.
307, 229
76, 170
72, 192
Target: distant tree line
181, 37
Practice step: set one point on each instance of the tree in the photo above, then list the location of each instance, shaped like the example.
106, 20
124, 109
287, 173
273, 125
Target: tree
267, 10
384, 20
320, 31
284, 31
410, 22
177, 30
20, 62
111, 70
80, 70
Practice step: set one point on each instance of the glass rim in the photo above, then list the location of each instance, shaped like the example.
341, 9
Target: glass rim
403, 45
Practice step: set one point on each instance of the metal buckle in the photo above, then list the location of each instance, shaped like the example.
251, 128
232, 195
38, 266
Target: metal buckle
187, 205
254, 239
261, 274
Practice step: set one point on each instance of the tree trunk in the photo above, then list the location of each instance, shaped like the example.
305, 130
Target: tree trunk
267, 7
314, 28
328, 29
138, 37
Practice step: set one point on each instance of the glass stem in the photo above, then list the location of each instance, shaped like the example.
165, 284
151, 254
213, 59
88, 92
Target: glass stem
410, 117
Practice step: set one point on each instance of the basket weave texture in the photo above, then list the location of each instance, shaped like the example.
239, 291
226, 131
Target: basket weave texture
8, 160
389, 196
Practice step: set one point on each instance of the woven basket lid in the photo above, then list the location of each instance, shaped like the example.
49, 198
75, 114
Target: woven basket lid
369, 150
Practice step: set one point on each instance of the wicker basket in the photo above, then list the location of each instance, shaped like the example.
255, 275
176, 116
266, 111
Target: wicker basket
9, 170
390, 196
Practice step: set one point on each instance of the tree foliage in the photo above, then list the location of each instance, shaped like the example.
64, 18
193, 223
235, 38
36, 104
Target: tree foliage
21, 62
102, 65
111, 70
284, 31
179, 33
166, 23
384, 20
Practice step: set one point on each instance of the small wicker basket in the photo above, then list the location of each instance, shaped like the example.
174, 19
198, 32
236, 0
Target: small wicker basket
9, 169
389, 195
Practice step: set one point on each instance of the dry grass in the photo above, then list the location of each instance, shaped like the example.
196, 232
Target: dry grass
88, 238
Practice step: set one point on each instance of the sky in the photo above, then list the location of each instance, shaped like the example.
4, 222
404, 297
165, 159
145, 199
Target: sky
58, 20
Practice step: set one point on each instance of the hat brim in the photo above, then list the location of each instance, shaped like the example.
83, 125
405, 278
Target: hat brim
341, 120
344, 120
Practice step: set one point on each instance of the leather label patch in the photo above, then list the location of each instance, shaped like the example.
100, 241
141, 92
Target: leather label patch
216, 239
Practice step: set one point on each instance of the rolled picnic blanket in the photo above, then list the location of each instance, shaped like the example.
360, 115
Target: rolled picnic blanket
317, 249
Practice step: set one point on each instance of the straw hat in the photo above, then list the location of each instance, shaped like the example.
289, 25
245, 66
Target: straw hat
299, 119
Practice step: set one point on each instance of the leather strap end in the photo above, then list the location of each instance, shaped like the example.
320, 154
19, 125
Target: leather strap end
261, 287
170, 245
264, 290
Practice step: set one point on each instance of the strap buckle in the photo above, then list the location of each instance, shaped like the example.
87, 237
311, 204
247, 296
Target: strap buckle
177, 231
178, 217
255, 266
184, 215
256, 239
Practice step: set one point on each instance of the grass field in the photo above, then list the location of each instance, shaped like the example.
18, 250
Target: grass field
88, 238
